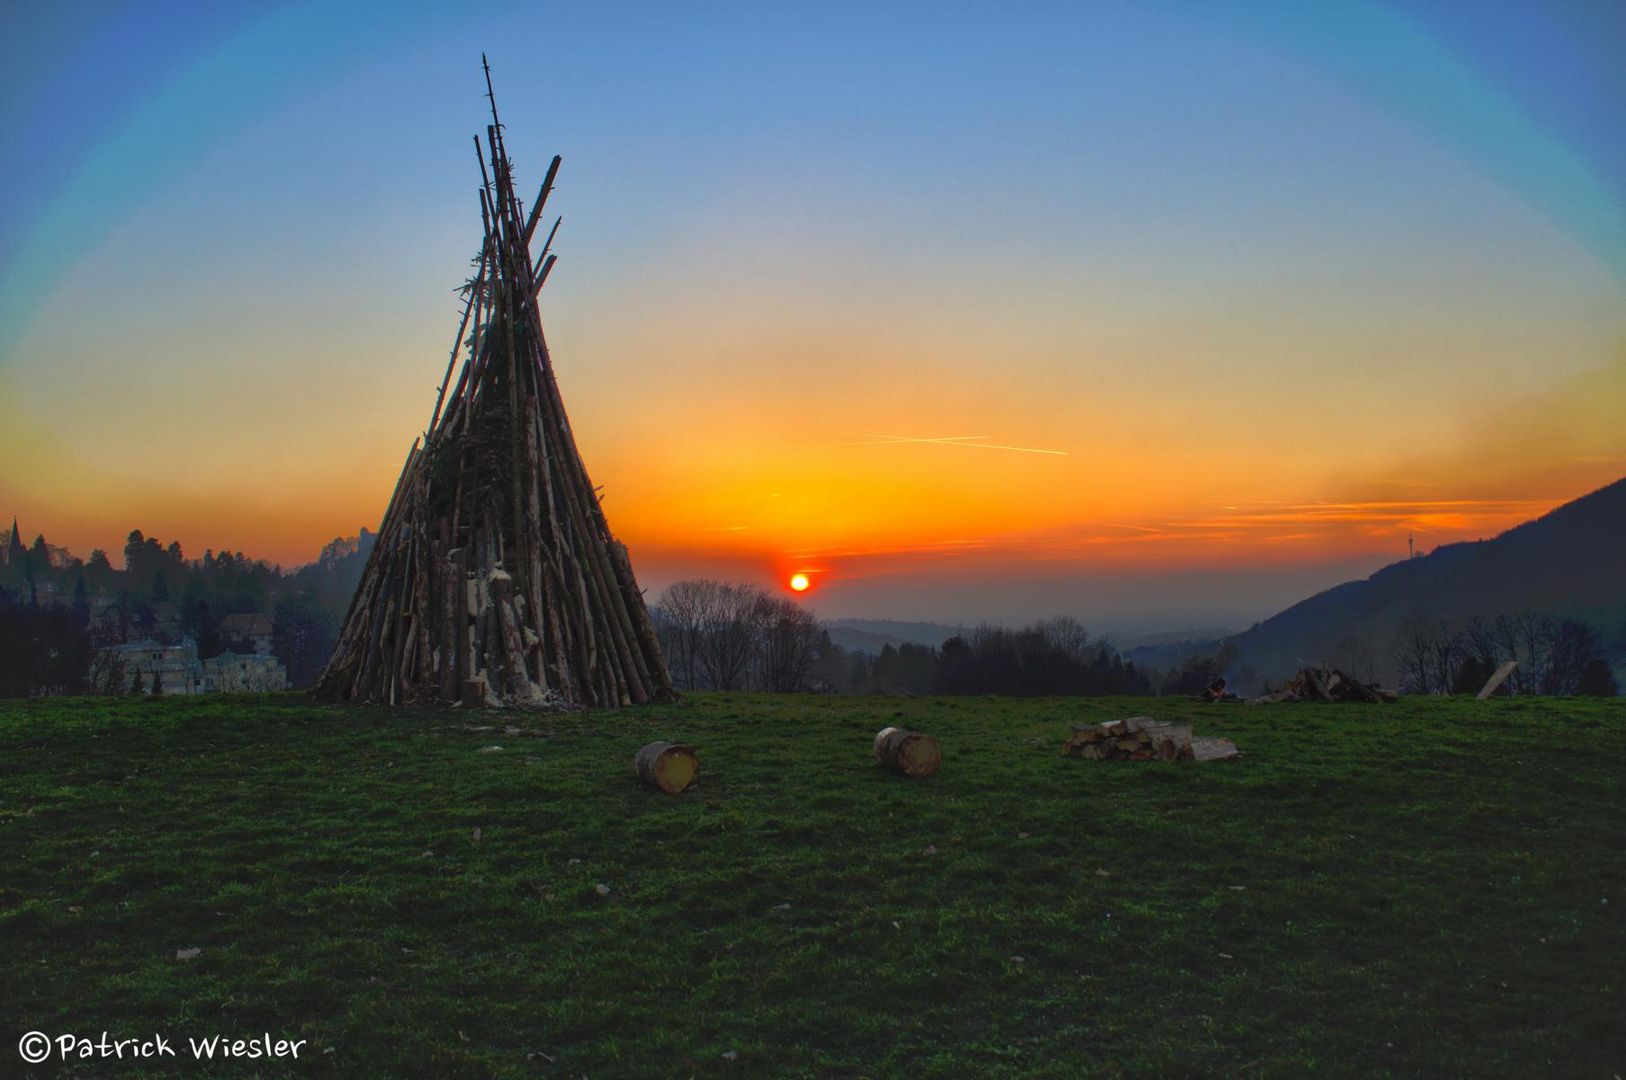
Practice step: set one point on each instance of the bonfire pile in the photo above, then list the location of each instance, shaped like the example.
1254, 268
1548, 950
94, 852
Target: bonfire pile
1141, 738
1326, 684
496, 579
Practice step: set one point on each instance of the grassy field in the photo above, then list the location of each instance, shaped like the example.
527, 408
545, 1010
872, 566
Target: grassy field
1433, 888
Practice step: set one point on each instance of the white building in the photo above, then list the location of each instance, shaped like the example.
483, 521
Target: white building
240, 673
176, 669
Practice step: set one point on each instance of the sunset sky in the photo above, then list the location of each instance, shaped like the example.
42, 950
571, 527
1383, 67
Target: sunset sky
1156, 315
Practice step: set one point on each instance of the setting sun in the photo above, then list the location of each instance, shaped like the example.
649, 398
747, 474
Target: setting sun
799, 582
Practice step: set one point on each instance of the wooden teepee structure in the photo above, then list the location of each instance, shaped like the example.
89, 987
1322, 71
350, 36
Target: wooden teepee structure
495, 579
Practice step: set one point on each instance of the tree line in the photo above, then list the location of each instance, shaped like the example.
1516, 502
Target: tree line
728, 636
1555, 656
725, 636
48, 636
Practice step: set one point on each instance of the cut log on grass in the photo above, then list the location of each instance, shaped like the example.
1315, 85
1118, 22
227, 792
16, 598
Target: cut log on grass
1207, 748
907, 752
671, 767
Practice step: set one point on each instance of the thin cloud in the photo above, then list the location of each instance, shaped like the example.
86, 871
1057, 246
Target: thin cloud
954, 440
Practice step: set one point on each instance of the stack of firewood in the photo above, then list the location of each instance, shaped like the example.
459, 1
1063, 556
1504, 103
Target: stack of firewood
1141, 738
1328, 685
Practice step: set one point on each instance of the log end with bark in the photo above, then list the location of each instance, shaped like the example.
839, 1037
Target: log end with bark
909, 752
668, 766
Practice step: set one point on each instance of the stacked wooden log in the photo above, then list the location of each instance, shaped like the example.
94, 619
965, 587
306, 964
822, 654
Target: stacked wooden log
1326, 685
496, 579
1141, 738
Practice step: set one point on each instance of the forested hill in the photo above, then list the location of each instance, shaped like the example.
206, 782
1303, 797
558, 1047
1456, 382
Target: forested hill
1571, 561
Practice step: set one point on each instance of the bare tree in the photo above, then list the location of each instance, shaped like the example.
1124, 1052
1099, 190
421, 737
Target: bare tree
1479, 639
1573, 646
1414, 655
1529, 636
1445, 650
681, 618
106, 672
789, 637
729, 636
1067, 636
1353, 654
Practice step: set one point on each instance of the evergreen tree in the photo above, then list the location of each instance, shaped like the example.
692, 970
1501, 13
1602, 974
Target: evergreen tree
14, 546
1598, 680
1473, 674
198, 620
81, 601
99, 571
122, 608
133, 545
302, 637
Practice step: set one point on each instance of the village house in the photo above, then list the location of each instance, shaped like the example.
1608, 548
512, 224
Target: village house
251, 673
250, 633
176, 669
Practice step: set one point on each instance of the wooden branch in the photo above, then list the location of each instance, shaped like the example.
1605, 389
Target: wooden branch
547, 268
541, 200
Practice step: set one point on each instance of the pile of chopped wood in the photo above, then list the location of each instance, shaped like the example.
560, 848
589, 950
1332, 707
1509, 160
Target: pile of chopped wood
1141, 738
1325, 684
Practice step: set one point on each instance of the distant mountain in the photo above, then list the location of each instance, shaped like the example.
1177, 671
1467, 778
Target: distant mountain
1159, 652
1571, 561
871, 635
1174, 637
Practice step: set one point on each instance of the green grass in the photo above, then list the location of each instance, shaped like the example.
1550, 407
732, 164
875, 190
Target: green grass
1432, 888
